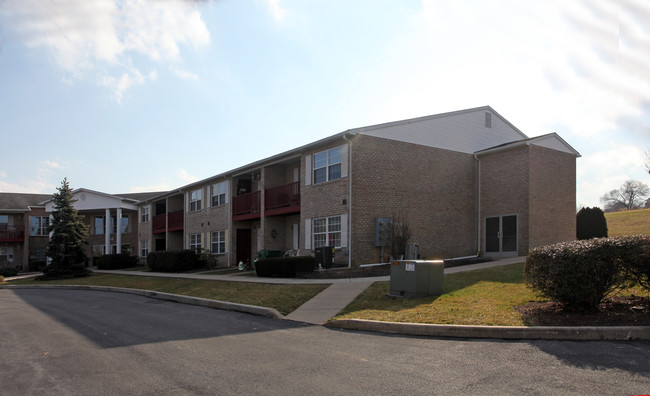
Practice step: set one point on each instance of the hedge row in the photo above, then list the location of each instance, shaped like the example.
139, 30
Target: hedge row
580, 274
115, 261
9, 271
285, 267
179, 261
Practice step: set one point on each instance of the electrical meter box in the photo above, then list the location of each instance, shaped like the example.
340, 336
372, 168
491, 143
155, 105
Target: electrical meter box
416, 278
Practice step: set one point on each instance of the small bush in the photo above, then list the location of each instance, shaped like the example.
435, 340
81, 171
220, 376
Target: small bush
285, 267
37, 265
635, 256
116, 261
183, 260
2, 278
577, 274
591, 223
9, 271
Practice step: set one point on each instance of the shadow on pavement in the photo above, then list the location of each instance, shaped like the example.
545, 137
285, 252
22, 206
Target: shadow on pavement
113, 320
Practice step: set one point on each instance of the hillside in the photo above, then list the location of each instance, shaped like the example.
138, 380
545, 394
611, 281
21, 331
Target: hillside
628, 222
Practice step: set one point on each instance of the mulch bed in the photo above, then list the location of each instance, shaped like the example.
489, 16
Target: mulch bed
614, 311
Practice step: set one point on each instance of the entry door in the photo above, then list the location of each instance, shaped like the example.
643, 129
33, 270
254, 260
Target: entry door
243, 245
501, 234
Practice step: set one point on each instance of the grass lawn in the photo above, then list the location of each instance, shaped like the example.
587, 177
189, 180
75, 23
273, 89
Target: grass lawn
481, 297
284, 298
628, 222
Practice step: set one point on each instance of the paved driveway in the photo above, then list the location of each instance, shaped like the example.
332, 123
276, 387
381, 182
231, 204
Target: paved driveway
65, 342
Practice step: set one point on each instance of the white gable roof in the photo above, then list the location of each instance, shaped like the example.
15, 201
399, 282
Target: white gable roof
464, 131
95, 200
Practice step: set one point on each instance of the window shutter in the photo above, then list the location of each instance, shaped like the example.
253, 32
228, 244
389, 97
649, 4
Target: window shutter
307, 170
344, 160
344, 230
308, 234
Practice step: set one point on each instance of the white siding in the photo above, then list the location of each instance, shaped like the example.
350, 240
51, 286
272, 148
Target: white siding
552, 142
463, 131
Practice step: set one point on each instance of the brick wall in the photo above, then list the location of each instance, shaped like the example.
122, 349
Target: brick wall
552, 196
433, 189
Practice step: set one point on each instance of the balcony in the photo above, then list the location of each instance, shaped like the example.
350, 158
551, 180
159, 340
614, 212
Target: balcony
282, 199
247, 206
172, 221
12, 233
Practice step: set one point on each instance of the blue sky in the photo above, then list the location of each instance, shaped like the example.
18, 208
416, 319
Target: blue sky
142, 95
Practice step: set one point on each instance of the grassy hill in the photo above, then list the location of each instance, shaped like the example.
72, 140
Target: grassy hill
628, 222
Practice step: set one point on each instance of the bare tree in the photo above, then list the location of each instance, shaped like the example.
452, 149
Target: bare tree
646, 164
630, 195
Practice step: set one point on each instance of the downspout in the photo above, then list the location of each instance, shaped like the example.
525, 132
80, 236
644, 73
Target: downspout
349, 201
478, 207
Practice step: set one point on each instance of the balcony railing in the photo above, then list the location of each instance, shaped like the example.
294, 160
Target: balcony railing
172, 221
282, 199
246, 206
12, 233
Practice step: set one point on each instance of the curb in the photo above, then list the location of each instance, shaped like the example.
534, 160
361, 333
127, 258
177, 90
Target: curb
202, 302
586, 333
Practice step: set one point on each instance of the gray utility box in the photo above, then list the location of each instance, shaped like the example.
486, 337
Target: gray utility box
416, 278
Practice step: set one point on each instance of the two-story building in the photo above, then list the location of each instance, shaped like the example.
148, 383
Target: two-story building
465, 183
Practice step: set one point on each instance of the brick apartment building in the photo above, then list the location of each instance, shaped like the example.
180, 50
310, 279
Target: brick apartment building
466, 182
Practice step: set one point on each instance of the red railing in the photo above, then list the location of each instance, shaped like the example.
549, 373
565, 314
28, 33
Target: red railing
246, 206
282, 199
172, 221
12, 233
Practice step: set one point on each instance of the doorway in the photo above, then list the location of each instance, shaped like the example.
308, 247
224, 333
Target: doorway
501, 235
243, 246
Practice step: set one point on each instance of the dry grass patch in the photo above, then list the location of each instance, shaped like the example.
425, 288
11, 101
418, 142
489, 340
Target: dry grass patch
481, 297
628, 222
284, 298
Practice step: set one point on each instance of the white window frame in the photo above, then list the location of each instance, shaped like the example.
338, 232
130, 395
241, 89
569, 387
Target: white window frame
196, 197
219, 242
42, 228
144, 214
218, 192
328, 164
144, 248
125, 230
195, 241
328, 230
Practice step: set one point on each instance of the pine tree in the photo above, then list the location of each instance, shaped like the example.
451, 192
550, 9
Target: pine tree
69, 234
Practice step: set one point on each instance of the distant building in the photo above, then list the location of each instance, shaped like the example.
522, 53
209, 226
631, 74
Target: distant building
466, 182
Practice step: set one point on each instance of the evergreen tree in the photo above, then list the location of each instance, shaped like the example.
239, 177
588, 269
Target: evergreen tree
69, 234
591, 223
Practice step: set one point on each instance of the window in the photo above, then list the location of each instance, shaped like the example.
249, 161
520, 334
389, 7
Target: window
39, 226
195, 200
144, 214
327, 165
327, 231
218, 194
124, 226
195, 241
144, 248
6, 254
4, 219
218, 242
98, 224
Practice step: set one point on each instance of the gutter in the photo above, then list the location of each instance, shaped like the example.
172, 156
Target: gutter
349, 236
478, 208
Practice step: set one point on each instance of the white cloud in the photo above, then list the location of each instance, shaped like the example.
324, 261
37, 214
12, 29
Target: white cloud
185, 75
186, 177
276, 9
36, 186
104, 36
51, 164
181, 177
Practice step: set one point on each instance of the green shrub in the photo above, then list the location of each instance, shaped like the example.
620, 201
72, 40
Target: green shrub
179, 261
116, 261
37, 265
591, 223
285, 267
577, 274
9, 271
635, 256
2, 278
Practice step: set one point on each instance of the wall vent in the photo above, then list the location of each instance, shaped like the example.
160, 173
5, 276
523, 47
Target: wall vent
488, 120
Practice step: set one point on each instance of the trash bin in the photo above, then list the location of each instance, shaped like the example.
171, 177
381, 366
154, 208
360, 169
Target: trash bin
324, 256
416, 278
